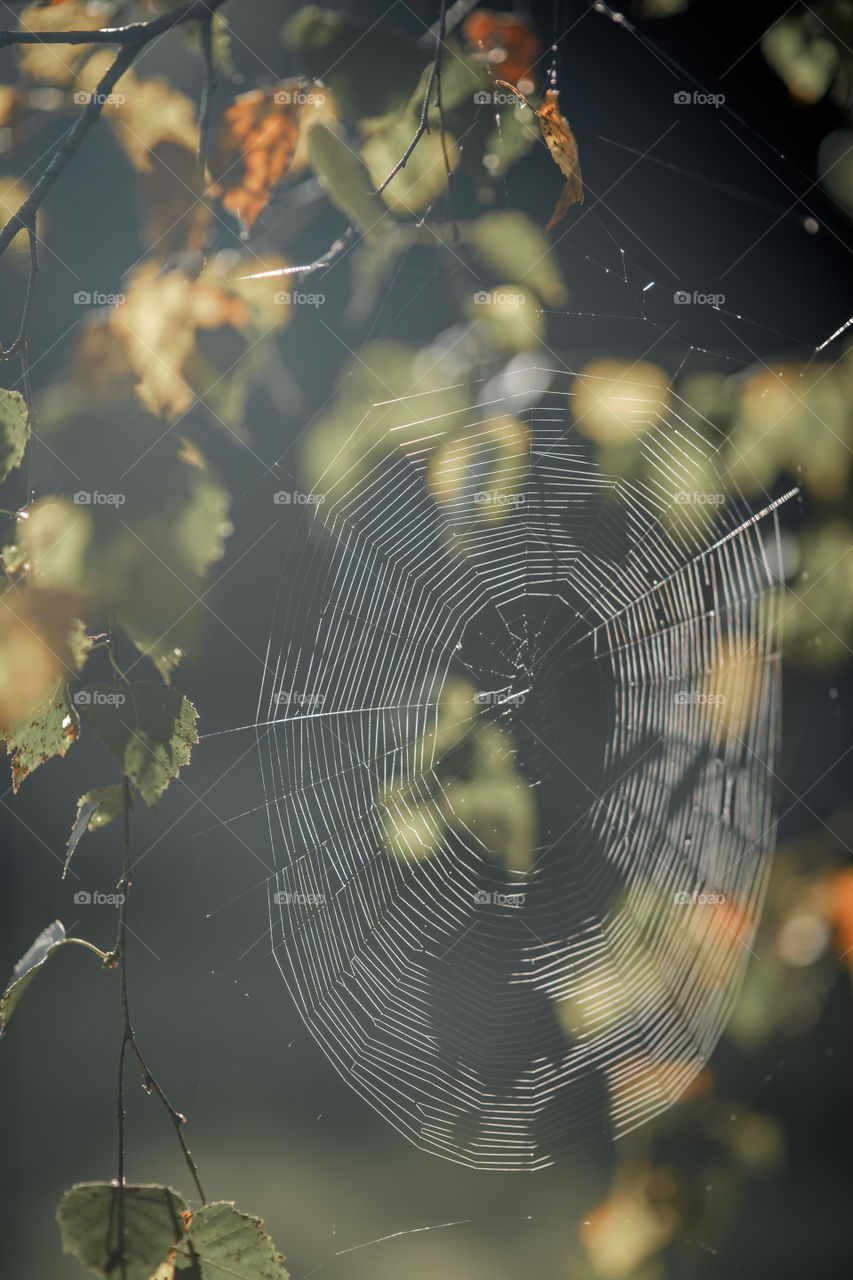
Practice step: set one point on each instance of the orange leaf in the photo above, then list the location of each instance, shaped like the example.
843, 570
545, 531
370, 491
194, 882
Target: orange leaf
561, 143
157, 324
254, 148
841, 911
505, 42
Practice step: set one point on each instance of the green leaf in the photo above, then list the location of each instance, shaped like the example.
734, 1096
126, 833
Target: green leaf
79, 643
461, 78
90, 1219
148, 726
344, 178
494, 146
51, 541
14, 430
227, 1245
514, 248
47, 731
27, 968
48, 941
94, 810
424, 176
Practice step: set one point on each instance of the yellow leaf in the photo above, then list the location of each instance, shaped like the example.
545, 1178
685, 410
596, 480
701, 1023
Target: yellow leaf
143, 113
57, 64
613, 402
158, 322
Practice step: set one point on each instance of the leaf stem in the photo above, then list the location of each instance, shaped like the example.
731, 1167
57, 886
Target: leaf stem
128, 1038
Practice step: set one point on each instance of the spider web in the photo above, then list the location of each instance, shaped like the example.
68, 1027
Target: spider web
518, 728
605, 649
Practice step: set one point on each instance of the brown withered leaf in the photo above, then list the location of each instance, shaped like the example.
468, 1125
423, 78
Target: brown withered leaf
158, 324
505, 42
253, 150
143, 113
563, 148
173, 216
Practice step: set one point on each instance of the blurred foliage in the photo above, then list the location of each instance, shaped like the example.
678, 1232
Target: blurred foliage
475, 785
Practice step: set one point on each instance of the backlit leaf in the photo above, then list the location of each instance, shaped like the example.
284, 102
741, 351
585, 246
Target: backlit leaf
143, 113
150, 731
95, 809
345, 179
158, 324
512, 246
120, 1232
57, 64
222, 1244
173, 215
253, 149
424, 177
40, 643
27, 968
46, 731
14, 430
564, 149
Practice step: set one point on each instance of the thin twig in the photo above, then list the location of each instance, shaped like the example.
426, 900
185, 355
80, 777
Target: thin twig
21, 339
423, 124
135, 33
128, 1039
25, 215
205, 107
307, 268
133, 39
440, 38
24, 335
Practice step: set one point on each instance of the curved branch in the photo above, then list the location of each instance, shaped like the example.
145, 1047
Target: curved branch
133, 39
25, 215
135, 33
